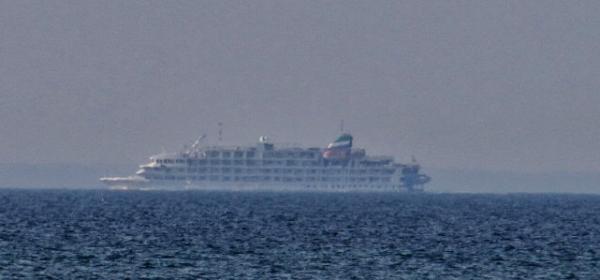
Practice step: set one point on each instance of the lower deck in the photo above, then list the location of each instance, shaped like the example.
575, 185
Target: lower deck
256, 186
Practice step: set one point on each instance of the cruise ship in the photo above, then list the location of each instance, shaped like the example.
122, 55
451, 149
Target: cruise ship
266, 166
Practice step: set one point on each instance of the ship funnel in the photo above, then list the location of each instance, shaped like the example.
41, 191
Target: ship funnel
340, 148
344, 141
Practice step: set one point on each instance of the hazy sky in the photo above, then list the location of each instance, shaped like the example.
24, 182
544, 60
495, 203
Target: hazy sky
493, 85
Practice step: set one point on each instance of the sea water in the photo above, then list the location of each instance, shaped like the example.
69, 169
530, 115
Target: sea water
63, 234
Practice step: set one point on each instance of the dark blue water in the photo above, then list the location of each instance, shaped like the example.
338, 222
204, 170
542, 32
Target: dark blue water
232, 235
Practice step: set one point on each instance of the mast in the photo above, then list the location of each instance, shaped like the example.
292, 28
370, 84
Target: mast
220, 124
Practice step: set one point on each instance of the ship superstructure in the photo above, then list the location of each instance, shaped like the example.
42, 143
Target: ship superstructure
265, 166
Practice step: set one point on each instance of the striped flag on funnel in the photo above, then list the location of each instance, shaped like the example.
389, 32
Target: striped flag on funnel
339, 148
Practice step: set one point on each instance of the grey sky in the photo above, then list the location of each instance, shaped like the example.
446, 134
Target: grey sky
493, 85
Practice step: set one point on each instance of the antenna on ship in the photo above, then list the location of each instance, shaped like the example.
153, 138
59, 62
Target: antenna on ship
342, 126
220, 124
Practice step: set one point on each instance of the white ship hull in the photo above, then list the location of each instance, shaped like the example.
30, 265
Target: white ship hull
136, 183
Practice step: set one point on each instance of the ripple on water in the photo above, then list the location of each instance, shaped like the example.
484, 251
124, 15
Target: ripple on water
103, 234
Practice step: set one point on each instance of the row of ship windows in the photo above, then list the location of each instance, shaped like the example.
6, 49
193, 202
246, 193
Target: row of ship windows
240, 162
269, 178
252, 162
251, 154
351, 186
248, 154
290, 154
276, 171
227, 154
